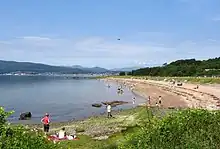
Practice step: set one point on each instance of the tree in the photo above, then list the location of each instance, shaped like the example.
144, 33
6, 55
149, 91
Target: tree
122, 73
188, 67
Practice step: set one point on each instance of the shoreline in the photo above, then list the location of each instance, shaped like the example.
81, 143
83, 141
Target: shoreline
207, 97
172, 96
112, 96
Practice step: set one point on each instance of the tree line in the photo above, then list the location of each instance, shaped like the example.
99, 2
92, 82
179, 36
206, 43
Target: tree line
187, 67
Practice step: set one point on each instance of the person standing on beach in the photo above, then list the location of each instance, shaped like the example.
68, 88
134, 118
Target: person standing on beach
160, 101
109, 108
149, 100
133, 100
46, 121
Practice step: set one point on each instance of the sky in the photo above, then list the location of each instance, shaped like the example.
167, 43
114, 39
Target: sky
86, 32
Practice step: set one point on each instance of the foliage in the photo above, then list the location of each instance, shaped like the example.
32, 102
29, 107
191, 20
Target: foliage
183, 129
188, 67
122, 73
4, 115
20, 137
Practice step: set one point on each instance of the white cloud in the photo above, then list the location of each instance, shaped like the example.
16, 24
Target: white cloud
35, 38
99, 51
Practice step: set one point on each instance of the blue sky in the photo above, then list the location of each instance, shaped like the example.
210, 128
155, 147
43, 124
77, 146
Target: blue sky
85, 32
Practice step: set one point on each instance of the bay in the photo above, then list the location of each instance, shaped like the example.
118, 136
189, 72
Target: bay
63, 98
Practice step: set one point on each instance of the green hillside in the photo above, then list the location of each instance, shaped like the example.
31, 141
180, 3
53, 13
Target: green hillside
188, 67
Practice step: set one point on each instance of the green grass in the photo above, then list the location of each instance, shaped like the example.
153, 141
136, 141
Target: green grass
114, 140
148, 128
86, 142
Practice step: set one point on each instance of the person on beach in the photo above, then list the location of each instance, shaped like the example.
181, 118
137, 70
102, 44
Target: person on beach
46, 121
109, 108
160, 101
149, 100
133, 100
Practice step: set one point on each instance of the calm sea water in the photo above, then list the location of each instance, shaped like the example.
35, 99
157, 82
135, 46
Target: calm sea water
65, 99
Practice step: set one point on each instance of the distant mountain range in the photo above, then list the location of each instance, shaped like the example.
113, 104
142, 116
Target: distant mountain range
93, 69
27, 67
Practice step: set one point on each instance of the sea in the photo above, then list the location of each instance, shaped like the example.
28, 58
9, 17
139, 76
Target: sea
64, 98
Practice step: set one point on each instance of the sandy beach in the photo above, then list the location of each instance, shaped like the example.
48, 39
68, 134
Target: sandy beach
206, 96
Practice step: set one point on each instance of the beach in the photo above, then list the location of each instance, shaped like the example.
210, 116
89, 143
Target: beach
187, 95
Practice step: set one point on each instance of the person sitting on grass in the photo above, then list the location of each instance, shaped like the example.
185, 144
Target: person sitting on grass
62, 133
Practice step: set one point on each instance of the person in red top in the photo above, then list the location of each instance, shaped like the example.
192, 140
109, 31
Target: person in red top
46, 121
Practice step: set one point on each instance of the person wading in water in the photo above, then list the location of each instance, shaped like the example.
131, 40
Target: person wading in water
46, 121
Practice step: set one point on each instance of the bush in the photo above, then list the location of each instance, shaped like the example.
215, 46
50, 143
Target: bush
20, 137
122, 74
184, 129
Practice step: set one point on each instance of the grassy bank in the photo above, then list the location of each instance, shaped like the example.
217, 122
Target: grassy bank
99, 131
126, 123
200, 80
142, 128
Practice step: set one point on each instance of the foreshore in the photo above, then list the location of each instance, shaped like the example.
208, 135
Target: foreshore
185, 96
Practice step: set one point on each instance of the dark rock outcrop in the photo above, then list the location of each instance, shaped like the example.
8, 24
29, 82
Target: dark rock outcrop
25, 116
97, 105
114, 103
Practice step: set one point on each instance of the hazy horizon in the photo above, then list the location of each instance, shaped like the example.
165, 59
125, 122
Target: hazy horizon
86, 32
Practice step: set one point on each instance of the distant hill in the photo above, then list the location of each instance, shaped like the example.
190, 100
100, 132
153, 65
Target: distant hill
188, 67
93, 69
12, 66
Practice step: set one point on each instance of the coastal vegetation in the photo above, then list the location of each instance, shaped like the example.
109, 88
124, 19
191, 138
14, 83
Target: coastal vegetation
182, 68
142, 128
20, 137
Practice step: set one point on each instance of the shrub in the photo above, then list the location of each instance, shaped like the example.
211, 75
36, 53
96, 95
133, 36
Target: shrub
20, 137
183, 129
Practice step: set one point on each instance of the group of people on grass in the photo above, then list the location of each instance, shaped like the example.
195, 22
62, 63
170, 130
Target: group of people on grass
61, 134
